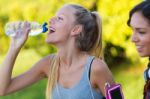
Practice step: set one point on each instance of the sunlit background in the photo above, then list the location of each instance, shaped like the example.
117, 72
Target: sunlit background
120, 54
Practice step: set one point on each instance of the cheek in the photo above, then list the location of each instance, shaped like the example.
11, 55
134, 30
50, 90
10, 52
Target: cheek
146, 42
64, 30
147, 39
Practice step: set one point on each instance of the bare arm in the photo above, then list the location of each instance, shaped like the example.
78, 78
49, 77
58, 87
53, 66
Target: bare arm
6, 70
8, 84
36, 73
100, 75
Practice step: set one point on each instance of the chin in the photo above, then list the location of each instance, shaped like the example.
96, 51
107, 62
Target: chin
47, 41
144, 55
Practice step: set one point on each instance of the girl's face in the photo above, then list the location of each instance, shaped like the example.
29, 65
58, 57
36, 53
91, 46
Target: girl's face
141, 33
61, 25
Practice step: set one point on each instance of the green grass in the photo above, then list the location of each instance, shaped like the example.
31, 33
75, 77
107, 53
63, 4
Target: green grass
36, 91
132, 80
130, 77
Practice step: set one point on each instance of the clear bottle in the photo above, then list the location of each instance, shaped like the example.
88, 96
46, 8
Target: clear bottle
12, 27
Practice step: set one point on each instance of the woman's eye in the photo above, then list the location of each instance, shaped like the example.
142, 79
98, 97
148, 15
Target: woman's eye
141, 32
59, 18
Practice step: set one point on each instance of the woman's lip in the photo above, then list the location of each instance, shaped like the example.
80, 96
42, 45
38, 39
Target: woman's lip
139, 48
52, 28
49, 33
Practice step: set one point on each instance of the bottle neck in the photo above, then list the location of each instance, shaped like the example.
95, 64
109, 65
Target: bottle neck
44, 28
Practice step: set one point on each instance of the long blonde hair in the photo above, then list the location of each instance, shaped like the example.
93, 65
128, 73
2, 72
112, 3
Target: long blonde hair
89, 40
53, 76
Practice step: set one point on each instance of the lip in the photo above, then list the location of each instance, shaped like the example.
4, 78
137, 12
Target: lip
139, 48
51, 30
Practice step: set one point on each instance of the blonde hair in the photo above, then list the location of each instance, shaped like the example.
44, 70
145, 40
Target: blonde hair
97, 50
89, 40
53, 76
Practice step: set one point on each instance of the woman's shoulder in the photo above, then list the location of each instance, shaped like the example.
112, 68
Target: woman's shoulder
48, 58
100, 74
99, 65
101, 69
45, 63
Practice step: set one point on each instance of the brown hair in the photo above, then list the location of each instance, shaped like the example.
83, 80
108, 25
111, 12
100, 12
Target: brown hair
90, 39
147, 84
144, 9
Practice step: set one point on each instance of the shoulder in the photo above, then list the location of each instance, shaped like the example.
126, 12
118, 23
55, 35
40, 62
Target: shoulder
43, 64
47, 58
99, 65
100, 68
101, 72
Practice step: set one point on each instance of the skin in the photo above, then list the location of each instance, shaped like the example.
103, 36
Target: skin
141, 33
72, 60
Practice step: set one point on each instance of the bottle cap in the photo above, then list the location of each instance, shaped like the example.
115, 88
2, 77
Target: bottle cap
44, 27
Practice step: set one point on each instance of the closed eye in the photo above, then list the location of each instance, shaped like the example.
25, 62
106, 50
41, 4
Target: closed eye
142, 32
59, 18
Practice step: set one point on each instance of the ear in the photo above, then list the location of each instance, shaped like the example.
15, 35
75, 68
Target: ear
76, 30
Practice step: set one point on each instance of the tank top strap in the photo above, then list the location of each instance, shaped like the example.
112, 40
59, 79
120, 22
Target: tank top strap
89, 64
87, 68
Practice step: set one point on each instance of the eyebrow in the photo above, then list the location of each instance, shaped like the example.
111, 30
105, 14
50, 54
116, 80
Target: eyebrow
60, 14
140, 28
137, 27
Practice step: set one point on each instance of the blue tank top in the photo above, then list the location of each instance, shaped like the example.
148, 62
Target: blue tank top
82, 90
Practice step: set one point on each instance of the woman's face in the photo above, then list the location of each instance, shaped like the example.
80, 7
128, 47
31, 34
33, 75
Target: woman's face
141, 33
61, 25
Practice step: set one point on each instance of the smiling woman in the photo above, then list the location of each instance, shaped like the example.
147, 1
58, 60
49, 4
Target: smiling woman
139, 21
76, 71
141, 33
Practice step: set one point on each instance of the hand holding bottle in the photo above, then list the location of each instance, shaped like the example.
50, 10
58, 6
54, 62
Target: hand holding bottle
21, 36
17, 30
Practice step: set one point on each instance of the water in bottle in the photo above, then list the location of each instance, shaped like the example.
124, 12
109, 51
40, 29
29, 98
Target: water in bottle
12, 28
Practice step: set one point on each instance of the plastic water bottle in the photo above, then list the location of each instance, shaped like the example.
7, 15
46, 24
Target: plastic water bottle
12, 27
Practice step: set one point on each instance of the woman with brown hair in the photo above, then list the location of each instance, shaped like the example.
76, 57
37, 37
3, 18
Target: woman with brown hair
139, 21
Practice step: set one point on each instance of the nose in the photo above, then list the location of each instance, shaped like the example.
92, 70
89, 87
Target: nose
52, 20
134, 37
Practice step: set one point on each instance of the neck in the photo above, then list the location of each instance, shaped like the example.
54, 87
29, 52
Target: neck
70, 55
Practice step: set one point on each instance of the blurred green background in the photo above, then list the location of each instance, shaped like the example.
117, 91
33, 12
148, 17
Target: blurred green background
120, 54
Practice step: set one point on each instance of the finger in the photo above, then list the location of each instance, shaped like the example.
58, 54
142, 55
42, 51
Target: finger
19, 24
17, 34
27, 28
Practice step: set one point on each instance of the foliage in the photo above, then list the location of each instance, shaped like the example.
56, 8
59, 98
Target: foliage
116, 34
